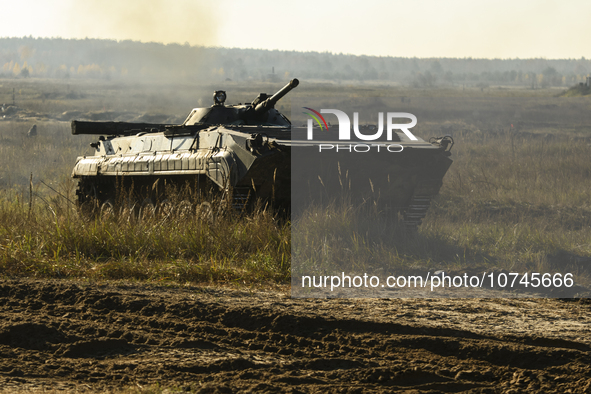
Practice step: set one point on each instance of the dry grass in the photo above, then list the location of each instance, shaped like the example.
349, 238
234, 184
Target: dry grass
514, 198
54, 241
515, 202
521, 201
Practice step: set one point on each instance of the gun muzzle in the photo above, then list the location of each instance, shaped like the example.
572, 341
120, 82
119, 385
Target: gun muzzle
271, 101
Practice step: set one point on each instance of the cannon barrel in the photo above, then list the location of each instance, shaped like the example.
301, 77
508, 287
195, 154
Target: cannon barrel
130, 128
111, 128
271, 101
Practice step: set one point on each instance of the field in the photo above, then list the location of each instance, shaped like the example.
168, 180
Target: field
517, 198
63, 336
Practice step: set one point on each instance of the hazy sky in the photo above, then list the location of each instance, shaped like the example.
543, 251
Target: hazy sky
421, 28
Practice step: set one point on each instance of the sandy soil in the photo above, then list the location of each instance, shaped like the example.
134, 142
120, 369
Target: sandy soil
75, 336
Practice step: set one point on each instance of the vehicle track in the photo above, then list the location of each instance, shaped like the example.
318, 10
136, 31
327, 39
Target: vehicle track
66, 335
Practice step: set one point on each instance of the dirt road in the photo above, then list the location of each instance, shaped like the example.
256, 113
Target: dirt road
65, 335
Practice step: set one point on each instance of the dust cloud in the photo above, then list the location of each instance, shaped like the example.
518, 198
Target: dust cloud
184, 21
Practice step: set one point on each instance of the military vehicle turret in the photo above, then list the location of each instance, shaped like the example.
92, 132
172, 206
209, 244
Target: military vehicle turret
243, 152
223, 148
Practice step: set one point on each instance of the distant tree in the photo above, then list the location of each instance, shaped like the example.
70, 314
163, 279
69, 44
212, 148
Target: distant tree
570, 79
424, 80
16, 70
369, 73
436, 68
580, 69
531, 79
135, 60
24, 72
512, 76
551, 77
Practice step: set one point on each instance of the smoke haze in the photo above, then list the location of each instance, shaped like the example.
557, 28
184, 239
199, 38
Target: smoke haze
501, 29
181, 21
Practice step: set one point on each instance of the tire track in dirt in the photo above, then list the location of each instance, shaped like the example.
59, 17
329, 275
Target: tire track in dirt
88, 337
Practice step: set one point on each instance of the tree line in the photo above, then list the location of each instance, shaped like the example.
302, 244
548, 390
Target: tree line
29, 57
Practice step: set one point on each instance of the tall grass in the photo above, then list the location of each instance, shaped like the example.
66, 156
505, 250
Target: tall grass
514, 198
522, 199
511, 200
54, 240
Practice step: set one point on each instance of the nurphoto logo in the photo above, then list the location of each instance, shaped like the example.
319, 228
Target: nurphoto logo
344, 123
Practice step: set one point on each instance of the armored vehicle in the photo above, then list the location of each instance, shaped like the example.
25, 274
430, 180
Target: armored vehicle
244, 154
